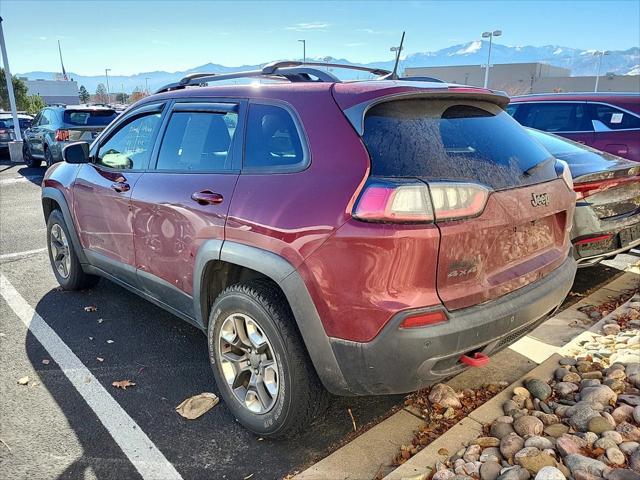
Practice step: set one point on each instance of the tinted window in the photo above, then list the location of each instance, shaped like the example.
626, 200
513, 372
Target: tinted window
446, 140
198, 141
557, 117
614, 118
272, 138
511, 109
130, 146
89, 118
44, 118
8, 123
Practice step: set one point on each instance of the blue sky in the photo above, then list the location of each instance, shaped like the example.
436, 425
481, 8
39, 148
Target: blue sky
137, 36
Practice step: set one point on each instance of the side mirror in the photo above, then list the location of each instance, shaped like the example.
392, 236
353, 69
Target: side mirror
77, 152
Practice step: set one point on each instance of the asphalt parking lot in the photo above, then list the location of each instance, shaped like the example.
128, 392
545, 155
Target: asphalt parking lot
48, 430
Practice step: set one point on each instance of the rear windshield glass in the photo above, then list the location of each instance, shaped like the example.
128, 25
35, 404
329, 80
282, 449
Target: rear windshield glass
89, 118
8, 123
453, 140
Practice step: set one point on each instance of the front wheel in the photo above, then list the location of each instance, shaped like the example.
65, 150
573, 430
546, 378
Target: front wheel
260, 363
64, 260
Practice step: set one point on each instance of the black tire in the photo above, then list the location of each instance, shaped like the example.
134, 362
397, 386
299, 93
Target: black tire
76, 278
301, 398
28, 158
48, 157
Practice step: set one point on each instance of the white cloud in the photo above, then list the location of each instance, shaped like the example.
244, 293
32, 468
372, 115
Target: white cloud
371, 31
308, 26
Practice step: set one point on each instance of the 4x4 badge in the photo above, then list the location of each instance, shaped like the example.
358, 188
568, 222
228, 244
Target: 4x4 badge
538, 199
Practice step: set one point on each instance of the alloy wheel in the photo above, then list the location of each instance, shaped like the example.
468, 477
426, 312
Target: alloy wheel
60, 250
248, 363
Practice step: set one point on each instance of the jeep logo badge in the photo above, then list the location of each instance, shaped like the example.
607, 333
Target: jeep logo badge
538, 199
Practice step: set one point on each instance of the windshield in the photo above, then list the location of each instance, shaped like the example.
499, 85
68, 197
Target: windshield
89, 118
453, 140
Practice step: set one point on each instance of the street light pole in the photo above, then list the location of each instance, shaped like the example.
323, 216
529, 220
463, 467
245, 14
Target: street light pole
304, 50
8, 78
146, 85
489, 35
599, 55
106, 74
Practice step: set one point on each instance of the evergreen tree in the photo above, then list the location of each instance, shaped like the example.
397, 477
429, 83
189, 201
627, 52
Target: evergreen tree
83, 94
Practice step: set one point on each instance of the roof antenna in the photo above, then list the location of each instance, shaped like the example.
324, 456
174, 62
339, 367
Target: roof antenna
64, 73
394, 73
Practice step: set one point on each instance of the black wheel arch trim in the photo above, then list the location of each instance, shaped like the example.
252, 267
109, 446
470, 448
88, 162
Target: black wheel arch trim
291, 283
57, 196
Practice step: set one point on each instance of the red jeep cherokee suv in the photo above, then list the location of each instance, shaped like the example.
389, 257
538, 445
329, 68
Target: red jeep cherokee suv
359, 238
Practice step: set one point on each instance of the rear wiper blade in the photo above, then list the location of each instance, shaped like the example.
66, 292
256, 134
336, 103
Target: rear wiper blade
529, 171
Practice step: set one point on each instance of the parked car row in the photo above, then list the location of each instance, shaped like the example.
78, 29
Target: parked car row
359, 238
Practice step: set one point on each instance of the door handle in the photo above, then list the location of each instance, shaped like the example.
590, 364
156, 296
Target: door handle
120, 187
207, 197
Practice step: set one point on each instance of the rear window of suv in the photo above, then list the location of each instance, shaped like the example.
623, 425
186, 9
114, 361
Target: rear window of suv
453, 140
89, 118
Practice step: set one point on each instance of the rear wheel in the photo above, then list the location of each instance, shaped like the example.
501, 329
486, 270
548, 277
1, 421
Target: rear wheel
64, 260
28, 158
48, 157
259, 361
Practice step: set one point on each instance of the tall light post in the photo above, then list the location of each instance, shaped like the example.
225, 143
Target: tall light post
106, 74
146, 85
9, 79
599, 54
489, 35
304, 50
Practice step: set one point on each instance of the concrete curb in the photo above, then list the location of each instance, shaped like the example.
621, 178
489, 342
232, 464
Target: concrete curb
468, 429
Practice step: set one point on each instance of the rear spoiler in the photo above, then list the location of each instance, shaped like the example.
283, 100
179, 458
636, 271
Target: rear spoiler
356, 113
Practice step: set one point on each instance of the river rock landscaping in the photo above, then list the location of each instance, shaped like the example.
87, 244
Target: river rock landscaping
583, 424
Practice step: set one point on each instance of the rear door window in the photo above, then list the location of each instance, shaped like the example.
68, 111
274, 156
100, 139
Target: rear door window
614, 118
558, 117
273, 141
455, 141
198, 141
89, 118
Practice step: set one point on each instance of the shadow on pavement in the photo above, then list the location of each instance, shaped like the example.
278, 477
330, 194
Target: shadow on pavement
167, 359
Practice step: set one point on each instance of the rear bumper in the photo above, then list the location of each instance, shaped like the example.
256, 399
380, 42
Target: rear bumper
404, 360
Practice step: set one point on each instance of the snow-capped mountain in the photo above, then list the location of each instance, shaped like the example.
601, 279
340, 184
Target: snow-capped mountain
579, 61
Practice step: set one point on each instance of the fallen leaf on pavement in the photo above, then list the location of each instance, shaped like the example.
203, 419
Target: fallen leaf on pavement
91, 308
248, 477
198, 405
45, 361
123, 384
91, 338
443, 451
100, 359
109, 341
87, 380
34, 384
100, 320
23, 380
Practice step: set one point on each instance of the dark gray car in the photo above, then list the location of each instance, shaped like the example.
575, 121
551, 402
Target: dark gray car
55, 127
607, 217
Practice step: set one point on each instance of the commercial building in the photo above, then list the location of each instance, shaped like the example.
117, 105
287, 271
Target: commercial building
63, 92
523, 78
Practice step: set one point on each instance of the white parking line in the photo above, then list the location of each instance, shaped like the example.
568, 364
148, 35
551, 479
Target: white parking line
26, 253
139, 449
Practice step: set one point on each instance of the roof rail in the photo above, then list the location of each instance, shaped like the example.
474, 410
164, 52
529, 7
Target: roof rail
286, 70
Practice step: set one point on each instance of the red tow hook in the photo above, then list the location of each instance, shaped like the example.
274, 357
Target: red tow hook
479, 360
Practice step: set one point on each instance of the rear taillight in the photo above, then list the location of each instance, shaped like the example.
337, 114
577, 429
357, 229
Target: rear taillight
62, 135
566, 173
3, 131
413, 201
585, 189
